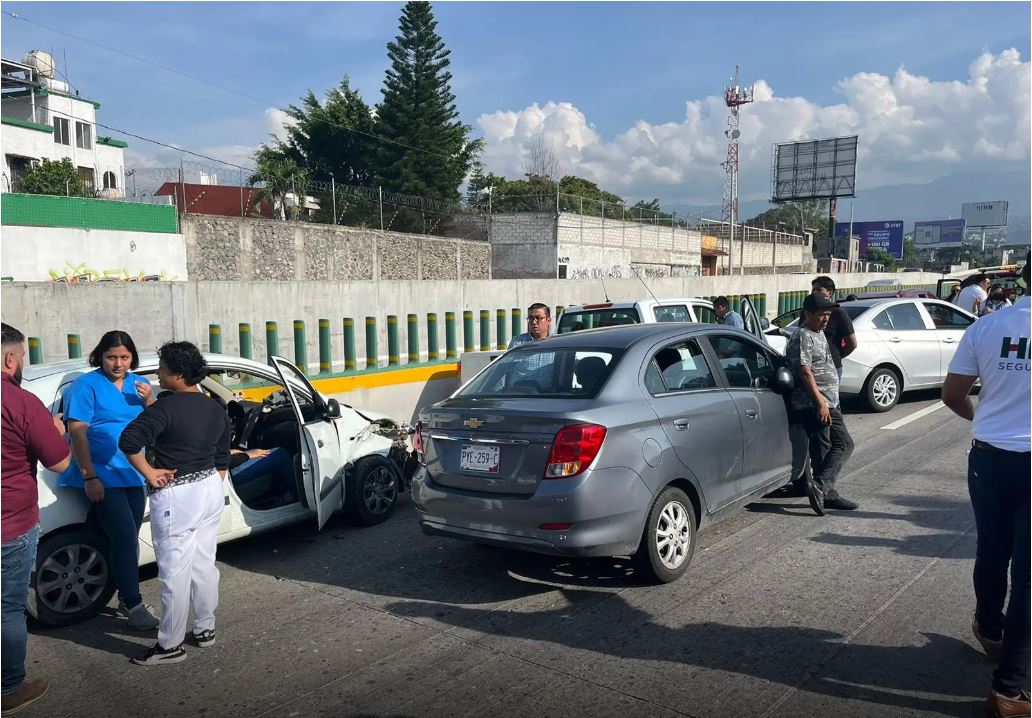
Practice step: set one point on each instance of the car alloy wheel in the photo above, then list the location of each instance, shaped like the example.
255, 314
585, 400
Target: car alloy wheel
71, 579
883, 389
380, 490
673, 535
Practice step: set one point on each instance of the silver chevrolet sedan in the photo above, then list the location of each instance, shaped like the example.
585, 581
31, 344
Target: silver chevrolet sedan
608, 442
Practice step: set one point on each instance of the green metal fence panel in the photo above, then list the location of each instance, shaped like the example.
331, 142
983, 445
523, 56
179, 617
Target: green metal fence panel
271, 340
300, 346
41, 210
393, 344
35, 350
500, 339
244, 332
372, 352
413, 338
214, 338
350, 352
325, 347
468, 340
450, 347
433, 338
485, 330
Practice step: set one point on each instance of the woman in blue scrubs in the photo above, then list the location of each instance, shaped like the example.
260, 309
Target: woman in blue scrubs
98, 407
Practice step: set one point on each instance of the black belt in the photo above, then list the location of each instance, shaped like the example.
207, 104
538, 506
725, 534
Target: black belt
975, 443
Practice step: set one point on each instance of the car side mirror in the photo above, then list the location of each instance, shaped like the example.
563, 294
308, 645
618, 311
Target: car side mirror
764, 324
332, 409
784, 382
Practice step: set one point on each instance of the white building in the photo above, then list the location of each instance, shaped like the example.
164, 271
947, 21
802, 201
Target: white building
43, 119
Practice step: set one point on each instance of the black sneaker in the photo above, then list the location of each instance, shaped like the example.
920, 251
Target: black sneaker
834, 501
203, 639
158, 656
816, 496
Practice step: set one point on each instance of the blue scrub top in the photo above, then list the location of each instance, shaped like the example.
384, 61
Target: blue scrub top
95, 400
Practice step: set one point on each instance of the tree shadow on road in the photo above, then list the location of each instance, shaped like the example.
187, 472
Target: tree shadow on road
947, 518
939, 674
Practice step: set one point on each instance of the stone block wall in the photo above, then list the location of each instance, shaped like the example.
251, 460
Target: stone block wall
228, 248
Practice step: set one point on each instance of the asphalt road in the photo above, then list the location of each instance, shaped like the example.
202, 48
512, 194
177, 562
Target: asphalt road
782, 613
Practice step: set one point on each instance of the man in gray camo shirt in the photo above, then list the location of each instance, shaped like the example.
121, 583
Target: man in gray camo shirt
815, 405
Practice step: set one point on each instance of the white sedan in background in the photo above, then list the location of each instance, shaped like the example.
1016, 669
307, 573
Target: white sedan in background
903, 344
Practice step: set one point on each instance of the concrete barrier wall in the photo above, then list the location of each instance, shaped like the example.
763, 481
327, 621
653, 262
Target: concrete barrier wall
155, 313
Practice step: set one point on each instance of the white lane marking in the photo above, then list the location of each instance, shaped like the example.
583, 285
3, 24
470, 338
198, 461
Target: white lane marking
915, 416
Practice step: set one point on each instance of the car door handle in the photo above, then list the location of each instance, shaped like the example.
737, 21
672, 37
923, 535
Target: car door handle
751, 413
895, 340
681, 424
948, 340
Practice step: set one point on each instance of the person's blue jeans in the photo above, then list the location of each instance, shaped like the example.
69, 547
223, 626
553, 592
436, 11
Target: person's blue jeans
19, 558
121, 515
999, 487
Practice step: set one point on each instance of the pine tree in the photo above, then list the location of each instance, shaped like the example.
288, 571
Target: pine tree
431, 152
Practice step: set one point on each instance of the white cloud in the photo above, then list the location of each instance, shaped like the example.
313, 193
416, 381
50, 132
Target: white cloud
911, 128
277, 121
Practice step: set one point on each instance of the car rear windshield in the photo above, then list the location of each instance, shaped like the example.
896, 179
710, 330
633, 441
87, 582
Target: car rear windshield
595, 318
536, 371
854, 312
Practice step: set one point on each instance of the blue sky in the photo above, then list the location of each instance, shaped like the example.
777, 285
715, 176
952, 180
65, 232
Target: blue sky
616, 63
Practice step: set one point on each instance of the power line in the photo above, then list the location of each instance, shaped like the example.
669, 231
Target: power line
220, 87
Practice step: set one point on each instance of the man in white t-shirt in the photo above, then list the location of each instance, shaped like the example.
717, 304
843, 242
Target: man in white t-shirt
997, 350
972, 297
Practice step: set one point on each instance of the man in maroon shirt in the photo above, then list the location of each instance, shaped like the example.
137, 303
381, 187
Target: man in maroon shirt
28, 434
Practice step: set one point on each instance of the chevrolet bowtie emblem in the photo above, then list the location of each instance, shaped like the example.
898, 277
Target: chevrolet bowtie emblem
473, 423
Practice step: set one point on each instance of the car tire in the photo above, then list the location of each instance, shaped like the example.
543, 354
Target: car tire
882, 390
72, 580
372, 490
668, 541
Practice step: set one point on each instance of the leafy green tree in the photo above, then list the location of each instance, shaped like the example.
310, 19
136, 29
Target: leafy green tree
880, 256
280, 175
52, 177
332, 138
911, 257
795, 216
425, 149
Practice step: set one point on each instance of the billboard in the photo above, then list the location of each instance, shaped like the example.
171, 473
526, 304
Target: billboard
985, 214
815, 169
886, 236
940, 233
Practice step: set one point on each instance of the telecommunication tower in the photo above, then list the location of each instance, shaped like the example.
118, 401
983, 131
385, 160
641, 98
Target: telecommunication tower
734, 97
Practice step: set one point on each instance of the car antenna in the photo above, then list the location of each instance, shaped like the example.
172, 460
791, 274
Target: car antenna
658, 303
604, 292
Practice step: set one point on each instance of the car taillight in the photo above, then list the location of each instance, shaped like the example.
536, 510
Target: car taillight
573, 450
417, 440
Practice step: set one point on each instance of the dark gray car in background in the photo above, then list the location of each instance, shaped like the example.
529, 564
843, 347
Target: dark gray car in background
609, 442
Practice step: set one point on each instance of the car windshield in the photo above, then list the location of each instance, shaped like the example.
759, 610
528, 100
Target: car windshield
541, 372
854, 312
575, 321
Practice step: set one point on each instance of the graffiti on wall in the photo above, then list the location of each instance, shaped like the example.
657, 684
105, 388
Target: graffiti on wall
81, 274
613, 272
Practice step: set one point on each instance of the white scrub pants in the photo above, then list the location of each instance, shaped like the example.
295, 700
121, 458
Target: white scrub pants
185, 530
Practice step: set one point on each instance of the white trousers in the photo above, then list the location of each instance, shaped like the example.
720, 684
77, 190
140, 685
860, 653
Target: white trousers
185, 531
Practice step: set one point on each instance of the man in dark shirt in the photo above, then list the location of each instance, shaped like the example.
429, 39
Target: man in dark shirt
840, 334
28, 435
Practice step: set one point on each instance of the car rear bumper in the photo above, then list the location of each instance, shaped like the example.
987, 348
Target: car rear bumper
606, 509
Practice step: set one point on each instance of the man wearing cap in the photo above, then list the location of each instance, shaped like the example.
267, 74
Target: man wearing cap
997, 350
815, 405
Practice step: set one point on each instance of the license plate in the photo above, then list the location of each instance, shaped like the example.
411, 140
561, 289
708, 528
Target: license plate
479, 458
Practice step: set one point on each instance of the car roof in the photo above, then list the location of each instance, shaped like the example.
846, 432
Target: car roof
619, 337
34, 372
628, 303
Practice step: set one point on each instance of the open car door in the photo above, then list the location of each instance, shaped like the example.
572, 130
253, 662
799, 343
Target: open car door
322, 465
752, 320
